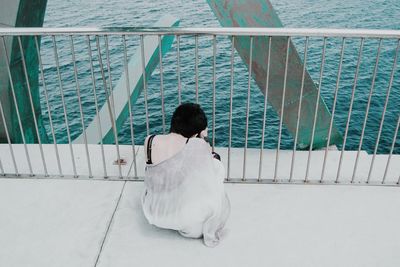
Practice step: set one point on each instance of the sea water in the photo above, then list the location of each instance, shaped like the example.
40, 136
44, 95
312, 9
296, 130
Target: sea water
381, 14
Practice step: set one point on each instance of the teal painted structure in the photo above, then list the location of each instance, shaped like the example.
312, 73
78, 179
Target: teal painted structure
260, 13
29, 14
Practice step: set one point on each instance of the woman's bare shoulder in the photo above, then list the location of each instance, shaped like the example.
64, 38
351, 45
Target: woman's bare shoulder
157, 140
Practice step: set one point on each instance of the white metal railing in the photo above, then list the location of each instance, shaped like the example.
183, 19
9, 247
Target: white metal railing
195, 33
300, 32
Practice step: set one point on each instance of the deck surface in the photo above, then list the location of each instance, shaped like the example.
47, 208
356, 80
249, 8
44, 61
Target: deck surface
83, 222
64, 222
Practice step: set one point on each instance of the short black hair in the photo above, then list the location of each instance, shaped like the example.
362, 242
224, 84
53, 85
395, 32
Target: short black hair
188, 119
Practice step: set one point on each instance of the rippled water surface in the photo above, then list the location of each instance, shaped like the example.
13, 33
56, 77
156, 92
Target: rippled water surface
293, 13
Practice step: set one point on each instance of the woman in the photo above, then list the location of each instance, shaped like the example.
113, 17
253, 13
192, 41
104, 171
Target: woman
184, 180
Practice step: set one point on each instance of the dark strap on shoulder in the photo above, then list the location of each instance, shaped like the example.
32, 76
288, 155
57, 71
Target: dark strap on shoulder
149, 143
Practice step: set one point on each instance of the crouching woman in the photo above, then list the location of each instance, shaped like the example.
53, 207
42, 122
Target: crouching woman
184, 187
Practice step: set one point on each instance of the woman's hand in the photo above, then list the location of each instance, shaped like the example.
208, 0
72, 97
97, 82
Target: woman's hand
204, 133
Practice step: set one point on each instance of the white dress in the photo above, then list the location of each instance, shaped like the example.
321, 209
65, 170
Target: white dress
186, 193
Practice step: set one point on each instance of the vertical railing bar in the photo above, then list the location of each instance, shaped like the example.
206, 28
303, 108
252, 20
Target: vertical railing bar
247, 108
16, 107
178, 67
350, 110
228, 176
113, 107
196, 54
384, 111
9, 140
161, 82
321, 74
32, 106
48, 106
107, 96
2, 169
2, 173
339, 73
110, 87
265, 109
391, 150
214, 89
282, 111
367, 110
80, 106
64, 105
299, 109
99, 128
144, 83
129, 105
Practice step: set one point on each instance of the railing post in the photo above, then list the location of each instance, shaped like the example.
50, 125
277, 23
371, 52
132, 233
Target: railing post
64, 105
316, 110
113, 107
9, 142
282, 111
231, 108
384, 110
161, 82
333, 109
367, 111
299, 110
265, 110
145, 83
32, 106
18, 116
214, 89
196, 66
350, 110
16, 106
78, 94
99, 128
247, 107
129, 105
48, 107
110, 103
178, 66
391, 150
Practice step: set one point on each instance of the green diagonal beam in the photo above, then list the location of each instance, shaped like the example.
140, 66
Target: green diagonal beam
23, 13
260, 13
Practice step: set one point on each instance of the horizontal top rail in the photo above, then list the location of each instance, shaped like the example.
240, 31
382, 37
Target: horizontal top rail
235, 31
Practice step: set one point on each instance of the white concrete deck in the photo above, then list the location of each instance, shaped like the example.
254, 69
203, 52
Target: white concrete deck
63, 223
75, 222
